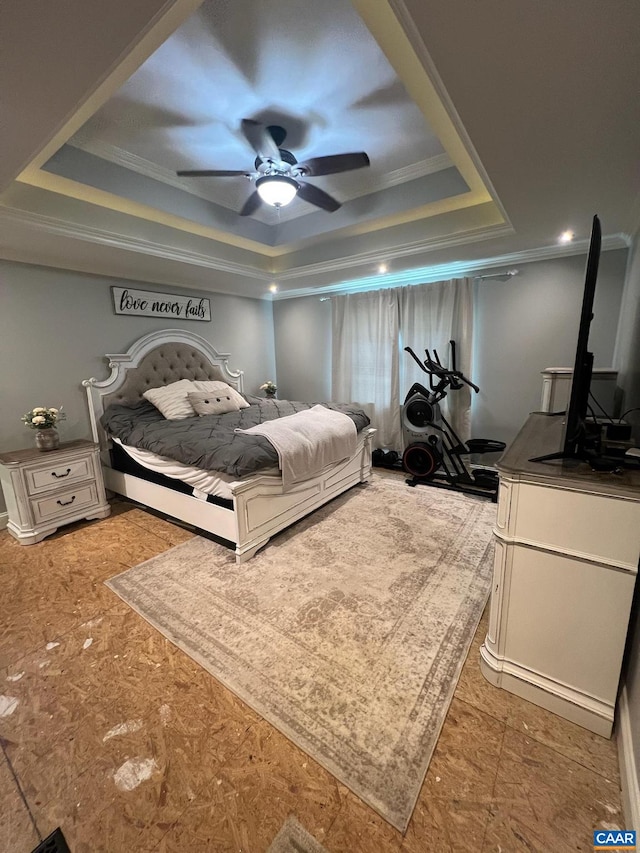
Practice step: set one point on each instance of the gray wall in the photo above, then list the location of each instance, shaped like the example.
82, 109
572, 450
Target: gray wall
627, 354
56, 326
529, 323
522, 326
303, 348
628, 363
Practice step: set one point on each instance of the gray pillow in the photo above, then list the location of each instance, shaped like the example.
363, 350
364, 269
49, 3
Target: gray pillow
213, 385
213, 402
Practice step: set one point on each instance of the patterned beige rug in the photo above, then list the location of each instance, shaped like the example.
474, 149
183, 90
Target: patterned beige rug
294, 838
347, 632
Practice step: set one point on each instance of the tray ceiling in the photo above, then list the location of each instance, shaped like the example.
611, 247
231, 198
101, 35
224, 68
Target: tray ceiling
338, 77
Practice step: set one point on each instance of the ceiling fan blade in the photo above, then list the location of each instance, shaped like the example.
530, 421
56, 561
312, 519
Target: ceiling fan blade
251, 204
260, 139
314, 195
213, 173
334, 163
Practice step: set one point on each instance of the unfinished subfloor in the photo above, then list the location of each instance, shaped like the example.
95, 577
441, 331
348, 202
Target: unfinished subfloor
116, 736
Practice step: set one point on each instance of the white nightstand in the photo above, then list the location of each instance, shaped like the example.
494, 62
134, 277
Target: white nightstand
44, 490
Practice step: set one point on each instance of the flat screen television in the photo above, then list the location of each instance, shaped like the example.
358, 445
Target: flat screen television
576, 444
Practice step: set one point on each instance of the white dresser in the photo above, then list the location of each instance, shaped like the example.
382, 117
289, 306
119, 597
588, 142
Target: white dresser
44, 490
567, 551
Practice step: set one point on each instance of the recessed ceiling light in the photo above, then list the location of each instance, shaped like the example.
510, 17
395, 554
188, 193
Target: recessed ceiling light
383, 268
567, 236
273, 288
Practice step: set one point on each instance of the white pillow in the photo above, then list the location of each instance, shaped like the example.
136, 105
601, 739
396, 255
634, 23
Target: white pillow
212, 402
215, 385
171, 400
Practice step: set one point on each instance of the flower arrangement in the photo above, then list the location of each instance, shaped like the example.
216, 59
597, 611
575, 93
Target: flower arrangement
43, 417
269, 388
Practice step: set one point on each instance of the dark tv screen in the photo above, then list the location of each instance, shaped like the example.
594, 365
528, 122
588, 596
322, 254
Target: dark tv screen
575, 430
574, 433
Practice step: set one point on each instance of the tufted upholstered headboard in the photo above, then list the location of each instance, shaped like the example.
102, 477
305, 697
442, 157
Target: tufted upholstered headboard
165, 364
156, 359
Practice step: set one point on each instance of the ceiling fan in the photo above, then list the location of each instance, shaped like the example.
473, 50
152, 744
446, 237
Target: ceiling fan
278, 174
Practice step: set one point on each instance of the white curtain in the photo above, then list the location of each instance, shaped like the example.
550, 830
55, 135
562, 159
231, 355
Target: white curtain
431, 315
369, 365
365, 357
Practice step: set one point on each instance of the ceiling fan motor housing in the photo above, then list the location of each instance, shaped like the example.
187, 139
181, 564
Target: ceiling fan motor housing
285, 157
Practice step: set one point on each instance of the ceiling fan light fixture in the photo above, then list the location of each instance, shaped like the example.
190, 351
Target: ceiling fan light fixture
277, 190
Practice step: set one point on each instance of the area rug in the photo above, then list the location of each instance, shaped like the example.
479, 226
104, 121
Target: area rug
294, 838
347, 632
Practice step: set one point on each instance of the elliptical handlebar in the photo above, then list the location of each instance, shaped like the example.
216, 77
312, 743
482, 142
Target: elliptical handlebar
416, 359
433, 367
469, 383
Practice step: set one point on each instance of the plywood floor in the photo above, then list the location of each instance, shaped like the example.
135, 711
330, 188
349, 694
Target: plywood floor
111, 733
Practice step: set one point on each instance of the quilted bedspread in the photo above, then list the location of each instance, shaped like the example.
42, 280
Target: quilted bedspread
210, 442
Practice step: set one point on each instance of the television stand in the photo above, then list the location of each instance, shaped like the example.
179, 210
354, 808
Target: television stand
588, 450
595, 461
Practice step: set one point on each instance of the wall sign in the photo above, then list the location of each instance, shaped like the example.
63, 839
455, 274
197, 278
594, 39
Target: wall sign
145, 303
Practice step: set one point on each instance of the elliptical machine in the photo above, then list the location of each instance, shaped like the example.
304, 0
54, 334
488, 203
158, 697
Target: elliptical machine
435, 455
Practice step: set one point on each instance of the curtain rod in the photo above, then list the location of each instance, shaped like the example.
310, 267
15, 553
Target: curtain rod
500, 276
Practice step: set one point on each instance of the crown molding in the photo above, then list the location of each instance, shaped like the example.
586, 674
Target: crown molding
49, 225
120, 157
81, 231
458, 269
77, 231
412, 172
403, 250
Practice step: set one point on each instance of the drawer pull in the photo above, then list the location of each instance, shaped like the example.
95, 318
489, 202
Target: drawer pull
66, 503
61, 476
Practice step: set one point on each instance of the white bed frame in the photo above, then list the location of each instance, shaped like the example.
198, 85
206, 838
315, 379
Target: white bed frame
260, 506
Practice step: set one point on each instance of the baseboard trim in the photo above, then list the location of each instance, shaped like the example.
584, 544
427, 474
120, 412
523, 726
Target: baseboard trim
628, 769
4, 520
582, 708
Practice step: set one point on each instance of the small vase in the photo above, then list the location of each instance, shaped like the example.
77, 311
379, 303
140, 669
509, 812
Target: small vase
271, 395
47, 439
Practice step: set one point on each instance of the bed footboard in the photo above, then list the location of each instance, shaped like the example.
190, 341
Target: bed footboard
260, 507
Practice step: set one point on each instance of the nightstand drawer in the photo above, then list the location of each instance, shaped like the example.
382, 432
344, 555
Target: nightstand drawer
52, 475
55, 507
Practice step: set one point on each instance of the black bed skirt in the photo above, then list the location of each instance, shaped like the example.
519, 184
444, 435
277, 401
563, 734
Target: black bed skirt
121, 461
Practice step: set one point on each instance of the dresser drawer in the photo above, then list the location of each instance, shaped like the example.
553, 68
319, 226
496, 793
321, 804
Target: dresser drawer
54, 474
68, 502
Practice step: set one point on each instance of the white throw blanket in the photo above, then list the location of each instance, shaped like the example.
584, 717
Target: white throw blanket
308, 441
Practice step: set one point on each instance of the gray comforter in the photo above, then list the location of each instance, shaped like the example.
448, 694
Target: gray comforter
210, 442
